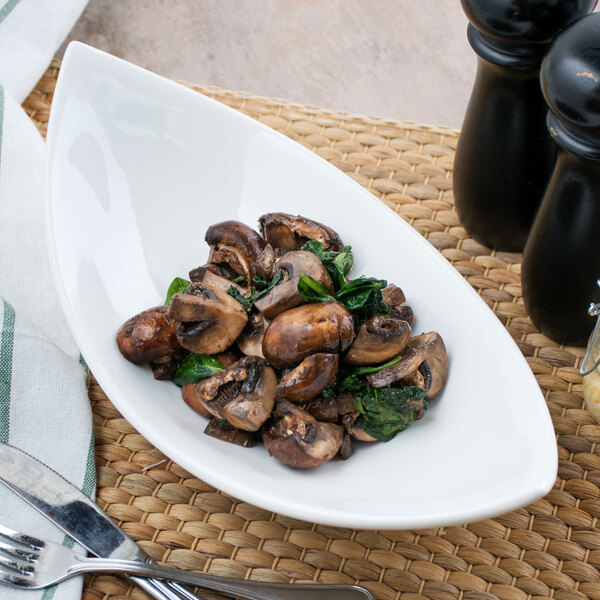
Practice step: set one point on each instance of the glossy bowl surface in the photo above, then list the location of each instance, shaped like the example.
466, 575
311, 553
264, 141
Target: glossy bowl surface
139, 167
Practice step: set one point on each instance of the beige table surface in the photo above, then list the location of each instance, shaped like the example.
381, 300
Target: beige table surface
401, 59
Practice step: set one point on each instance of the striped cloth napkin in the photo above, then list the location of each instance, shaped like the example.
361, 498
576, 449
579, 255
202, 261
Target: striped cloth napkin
44, 408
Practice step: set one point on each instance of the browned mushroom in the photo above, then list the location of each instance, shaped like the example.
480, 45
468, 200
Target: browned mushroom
309, 378
289, 232
298, 440
243, 393
299, 332
380, 339
346, 449
229, 357
240, 247
285, 295
426, 352
395, 299
190, 397
148, 336
354, 424
165, 367
331, 409
251, 339
207, 321
208, 277
217, 429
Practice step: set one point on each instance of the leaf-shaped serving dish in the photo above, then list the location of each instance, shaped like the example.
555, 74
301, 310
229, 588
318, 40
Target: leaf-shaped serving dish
139, 167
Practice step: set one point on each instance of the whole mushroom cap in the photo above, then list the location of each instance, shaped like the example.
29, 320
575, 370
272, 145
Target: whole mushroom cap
290, 232
148, 336
298, 440
378, 340
309, 378
242, 248
299, 332
207, 321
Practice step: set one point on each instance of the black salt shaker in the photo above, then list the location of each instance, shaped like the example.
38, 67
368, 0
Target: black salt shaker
561, 261
505, 154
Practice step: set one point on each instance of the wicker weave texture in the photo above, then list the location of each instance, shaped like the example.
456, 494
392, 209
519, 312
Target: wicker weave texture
549, 549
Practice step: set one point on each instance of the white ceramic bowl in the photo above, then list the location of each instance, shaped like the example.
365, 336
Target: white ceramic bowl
139, 167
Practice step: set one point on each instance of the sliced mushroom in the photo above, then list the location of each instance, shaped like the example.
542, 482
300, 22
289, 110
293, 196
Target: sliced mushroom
299, 332
427, 349
207, 321
251, 339
222, 270
217, 429
240, 247
395, 299
290, 232
380, 339
298, 440
309, 378
148, 336
244, 393
208, 277
285, 295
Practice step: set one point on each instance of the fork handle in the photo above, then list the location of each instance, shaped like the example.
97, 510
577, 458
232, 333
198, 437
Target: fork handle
160, 590
252, 590
163, 590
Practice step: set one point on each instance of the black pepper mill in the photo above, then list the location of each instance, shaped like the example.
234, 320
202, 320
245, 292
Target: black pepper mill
561, 261
505, 154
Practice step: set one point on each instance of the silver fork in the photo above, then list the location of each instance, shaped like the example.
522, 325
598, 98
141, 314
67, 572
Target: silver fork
27, 562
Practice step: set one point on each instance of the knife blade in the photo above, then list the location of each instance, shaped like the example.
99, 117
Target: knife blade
77, 515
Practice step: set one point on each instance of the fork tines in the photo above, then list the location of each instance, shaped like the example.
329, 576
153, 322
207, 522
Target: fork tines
18, 551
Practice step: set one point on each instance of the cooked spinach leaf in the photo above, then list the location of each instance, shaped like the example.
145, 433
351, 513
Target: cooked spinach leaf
196, 367
390, 410
276, 280
350, 378
178, 286
361, 296
338, 264
312, 290
248, 301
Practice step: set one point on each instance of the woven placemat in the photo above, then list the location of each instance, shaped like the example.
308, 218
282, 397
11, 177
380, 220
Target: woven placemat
548, 549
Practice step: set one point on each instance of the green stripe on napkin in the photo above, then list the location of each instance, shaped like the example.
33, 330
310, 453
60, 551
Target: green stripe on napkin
7, 337
5, 10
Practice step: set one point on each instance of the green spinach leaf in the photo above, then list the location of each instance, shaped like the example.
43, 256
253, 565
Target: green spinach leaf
361, 296
196, 367
178, 286
246, 302
350, 379
312, 290
338, 264
390, 410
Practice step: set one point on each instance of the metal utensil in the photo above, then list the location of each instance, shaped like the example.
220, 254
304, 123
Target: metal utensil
78, 516
34, 564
